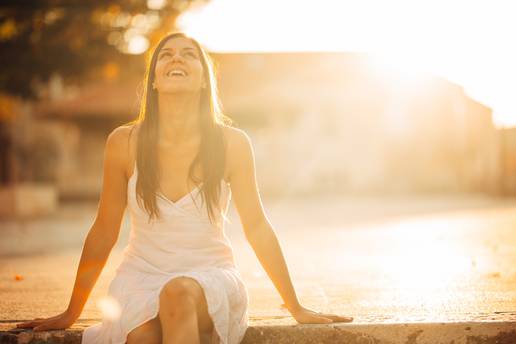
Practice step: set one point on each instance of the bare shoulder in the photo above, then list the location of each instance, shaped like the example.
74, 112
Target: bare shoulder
239, 150
236, 138
118, 146
118, 139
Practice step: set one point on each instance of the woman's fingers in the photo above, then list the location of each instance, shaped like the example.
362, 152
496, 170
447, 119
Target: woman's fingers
38, 325
325, 320
313, 318
319, 320
42, 327
25, 325
59, 321
322, 318
309, 316
334, 317
338, 318
31, 323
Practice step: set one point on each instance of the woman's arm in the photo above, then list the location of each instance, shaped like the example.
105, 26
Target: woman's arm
258, 230
103, 234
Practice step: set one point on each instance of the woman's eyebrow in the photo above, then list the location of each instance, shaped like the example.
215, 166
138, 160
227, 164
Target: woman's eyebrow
187, 48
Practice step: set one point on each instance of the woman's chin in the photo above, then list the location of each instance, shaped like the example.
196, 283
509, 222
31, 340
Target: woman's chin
179, 90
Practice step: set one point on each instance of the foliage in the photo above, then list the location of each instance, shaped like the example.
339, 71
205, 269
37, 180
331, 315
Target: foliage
73, 37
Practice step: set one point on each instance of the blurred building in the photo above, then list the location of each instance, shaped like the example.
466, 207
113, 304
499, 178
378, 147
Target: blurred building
89, 114
320, 122
337, 122
507, 179
28, 160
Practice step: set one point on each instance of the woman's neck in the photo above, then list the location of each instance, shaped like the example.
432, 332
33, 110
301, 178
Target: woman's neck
178, 117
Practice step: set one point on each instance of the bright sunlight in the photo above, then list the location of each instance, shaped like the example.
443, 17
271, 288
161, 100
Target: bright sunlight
463, 41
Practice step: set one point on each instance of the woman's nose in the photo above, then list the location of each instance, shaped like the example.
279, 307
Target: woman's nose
177, 56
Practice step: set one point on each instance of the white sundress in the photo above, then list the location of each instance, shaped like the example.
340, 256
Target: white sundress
182, 243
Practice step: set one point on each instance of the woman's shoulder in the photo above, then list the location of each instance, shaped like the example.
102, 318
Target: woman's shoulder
240, 152
125, 130
122, 139
123, 136
235, 137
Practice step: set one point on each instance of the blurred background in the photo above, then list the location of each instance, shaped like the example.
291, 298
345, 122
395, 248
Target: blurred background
335, 104
389, 126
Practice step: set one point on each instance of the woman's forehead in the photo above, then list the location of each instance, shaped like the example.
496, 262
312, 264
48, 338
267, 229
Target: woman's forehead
178, 43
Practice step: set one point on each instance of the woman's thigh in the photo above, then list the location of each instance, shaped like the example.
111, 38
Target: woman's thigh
147, 333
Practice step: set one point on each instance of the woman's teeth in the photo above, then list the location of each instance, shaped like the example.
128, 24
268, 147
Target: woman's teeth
176, 73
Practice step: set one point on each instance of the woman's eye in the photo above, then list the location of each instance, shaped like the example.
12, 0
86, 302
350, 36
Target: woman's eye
190, 54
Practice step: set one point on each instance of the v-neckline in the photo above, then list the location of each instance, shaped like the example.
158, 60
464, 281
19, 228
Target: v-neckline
162, 195
181, 198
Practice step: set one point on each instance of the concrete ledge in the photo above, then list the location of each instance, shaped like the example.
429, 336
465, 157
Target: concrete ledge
349, 333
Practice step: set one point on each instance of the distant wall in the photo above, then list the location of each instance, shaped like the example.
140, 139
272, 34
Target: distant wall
329, 123
320, 123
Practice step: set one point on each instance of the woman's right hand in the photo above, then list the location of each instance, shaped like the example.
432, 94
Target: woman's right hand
58, 322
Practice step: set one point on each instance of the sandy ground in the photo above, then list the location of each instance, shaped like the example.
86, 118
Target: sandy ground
381, 260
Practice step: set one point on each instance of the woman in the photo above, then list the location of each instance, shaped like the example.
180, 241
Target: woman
178, 282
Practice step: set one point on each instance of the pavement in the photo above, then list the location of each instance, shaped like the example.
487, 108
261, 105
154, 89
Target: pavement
413, 269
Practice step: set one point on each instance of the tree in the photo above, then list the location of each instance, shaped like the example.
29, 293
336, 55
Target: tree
71, 38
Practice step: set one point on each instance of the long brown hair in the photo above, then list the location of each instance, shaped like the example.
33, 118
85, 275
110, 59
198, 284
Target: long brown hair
211, 153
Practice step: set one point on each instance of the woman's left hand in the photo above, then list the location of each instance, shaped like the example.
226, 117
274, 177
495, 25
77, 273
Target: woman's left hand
58, 322
304, 315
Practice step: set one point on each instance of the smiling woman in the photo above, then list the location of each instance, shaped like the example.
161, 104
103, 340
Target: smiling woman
178, 282
178, 255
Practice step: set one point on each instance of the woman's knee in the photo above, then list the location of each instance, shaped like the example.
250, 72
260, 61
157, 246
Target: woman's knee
185, 296
181, 293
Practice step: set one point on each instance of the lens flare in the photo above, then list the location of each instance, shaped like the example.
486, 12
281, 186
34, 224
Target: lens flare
109, 307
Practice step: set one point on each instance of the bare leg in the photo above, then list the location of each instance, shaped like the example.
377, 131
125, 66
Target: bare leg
147, 333
183, 311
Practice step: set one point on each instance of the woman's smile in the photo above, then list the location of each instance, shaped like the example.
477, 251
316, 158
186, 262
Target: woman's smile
176, 72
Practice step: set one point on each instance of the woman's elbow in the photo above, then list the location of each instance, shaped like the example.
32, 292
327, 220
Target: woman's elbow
260, 230
103, 235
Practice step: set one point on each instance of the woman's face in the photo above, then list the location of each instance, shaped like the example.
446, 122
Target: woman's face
178, 67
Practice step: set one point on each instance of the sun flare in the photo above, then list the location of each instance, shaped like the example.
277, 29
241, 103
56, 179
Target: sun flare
438, 37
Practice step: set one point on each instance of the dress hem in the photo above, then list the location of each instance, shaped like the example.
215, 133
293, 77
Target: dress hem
216, 334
